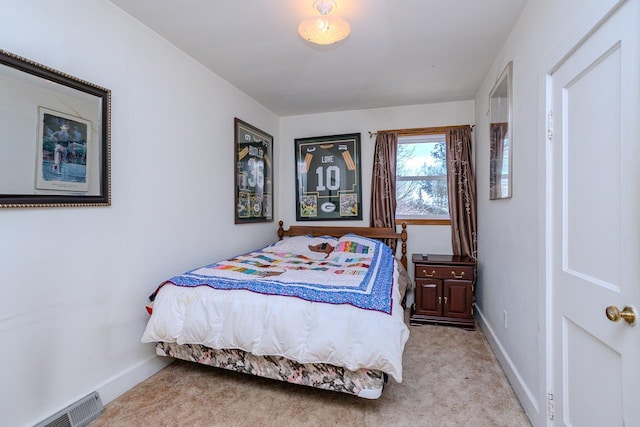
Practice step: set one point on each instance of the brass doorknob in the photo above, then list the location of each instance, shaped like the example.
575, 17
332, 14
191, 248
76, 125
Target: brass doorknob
628, 314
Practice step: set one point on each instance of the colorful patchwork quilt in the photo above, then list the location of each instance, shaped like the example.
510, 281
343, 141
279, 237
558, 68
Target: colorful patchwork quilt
358, 271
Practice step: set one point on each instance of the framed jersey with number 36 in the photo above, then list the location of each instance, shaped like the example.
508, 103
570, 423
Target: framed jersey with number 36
254, 174
328, 178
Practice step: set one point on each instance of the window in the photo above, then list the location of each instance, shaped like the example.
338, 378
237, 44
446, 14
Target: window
421, 179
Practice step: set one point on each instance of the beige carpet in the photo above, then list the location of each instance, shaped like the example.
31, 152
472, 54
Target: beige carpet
451, 378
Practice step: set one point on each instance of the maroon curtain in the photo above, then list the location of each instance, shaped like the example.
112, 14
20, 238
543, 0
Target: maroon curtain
496, 154
383, 183
461, 185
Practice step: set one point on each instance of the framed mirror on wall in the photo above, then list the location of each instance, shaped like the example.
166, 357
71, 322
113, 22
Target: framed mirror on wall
500, 136
55, 140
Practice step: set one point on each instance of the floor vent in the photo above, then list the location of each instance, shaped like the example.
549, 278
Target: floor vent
78, 414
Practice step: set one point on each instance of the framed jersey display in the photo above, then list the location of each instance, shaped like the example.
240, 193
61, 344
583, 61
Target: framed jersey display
328, 178
253, 174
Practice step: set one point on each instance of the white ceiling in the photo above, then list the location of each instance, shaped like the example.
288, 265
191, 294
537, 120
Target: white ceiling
400, 52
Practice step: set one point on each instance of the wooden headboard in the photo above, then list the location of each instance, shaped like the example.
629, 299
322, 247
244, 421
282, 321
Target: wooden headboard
370, 232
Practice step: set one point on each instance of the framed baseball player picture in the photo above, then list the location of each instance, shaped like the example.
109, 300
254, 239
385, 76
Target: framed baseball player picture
254, 174
328, 178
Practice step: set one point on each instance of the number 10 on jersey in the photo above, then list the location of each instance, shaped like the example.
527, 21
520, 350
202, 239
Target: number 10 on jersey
328, 178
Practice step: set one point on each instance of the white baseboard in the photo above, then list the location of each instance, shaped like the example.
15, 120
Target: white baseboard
129, 378
523, 393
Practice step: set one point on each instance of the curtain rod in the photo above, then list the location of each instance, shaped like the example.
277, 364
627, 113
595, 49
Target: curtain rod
421, 131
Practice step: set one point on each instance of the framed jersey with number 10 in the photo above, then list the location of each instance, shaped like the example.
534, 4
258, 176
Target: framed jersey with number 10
254, 174
328, 178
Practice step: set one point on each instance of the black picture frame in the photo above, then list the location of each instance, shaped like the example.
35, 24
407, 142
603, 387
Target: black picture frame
253, 177
82, 173
328, 178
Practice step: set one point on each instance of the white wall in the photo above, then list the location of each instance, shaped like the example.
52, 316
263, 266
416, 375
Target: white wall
511, 246
75, 280
422, 238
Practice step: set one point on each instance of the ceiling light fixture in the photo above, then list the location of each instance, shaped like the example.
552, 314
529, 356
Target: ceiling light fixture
325, 29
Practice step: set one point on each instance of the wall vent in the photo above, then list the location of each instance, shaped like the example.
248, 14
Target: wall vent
78, 414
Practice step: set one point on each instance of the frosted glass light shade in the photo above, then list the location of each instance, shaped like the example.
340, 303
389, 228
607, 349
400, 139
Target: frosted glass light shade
324, 29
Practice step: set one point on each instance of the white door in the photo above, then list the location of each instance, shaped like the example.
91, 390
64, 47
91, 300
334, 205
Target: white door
594, 233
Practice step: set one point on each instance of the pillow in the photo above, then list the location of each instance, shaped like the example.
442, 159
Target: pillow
354, 244
299, 244
404, 280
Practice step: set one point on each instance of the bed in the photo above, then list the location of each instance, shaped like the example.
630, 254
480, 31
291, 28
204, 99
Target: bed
321, 307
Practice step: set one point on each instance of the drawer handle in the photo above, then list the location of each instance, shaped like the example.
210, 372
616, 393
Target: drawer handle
433, 273
461, 276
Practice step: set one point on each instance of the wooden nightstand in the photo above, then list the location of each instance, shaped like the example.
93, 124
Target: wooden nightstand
444, 291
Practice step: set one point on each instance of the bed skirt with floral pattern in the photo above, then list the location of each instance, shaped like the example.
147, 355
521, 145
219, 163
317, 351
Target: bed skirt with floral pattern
365, 383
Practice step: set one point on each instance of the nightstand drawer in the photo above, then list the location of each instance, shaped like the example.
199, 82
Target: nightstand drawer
443, 272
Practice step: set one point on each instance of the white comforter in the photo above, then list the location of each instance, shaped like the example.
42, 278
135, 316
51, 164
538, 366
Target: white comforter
300, 330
